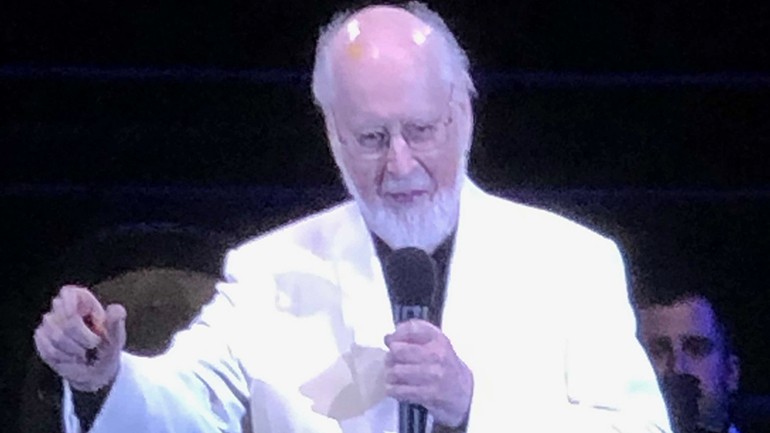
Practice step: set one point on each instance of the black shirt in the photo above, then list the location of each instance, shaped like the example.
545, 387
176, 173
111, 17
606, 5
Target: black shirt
441, 256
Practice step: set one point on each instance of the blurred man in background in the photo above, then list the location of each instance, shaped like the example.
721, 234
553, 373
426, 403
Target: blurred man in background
693, 355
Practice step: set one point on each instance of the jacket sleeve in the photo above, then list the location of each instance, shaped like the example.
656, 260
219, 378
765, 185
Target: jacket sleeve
606, 382
198, 384
610, 381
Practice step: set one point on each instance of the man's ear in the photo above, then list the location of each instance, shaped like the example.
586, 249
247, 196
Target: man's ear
332, 136
463, 111
733, 373
331, 127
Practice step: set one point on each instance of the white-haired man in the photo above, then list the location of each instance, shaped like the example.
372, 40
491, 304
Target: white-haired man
531, 329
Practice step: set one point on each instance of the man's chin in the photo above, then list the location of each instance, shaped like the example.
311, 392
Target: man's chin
422, 220
400, 231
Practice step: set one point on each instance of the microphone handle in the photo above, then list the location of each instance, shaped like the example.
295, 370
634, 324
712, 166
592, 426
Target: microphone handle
412, 418
402, 313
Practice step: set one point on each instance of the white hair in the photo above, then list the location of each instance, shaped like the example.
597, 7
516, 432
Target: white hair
455, 67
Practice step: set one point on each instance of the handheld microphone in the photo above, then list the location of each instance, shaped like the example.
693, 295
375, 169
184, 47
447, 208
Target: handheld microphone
410, 275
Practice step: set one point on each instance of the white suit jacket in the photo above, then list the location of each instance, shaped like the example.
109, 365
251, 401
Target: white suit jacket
536, 306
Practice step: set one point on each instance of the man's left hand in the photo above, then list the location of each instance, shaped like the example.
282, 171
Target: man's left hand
423, 368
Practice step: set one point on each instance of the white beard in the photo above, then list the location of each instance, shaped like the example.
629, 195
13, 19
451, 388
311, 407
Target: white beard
424, 224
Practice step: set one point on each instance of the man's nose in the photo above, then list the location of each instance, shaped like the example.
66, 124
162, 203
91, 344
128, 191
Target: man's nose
679, 363
401, 160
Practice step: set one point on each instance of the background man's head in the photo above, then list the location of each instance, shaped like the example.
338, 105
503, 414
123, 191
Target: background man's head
395, 91
687, 342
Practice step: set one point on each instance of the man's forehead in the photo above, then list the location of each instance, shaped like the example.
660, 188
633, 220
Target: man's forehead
690, 317
424, 109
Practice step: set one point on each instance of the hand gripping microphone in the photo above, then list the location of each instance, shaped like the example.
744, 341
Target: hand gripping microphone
410, 275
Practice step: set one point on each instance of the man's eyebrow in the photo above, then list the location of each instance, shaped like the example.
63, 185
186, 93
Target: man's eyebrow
366, 127
660, 339
696, 338
424, 120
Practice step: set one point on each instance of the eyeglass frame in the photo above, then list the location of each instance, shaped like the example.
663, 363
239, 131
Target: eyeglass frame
385, 142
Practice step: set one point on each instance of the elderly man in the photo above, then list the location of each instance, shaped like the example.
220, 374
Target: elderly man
691, 352
531, 328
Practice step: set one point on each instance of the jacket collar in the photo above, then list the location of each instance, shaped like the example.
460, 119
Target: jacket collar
365, 301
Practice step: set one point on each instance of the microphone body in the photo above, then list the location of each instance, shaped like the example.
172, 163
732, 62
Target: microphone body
402, 313
410, 274
412, 418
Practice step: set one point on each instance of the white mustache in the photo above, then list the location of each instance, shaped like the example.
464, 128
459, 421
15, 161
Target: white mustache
419, 182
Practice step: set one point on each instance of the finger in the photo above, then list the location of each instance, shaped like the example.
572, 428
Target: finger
49, 354
66, 344
415, 394
94, 312
76, 328
115, 323
76, 300
412, 374
59, 307
68, 300
69, 330
415, 331
75, 373
88, 304
57, 331
408, 353
94, 325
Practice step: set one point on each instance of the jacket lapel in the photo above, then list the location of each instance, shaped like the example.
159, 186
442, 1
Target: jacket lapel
470, 300
462, 297
365, 302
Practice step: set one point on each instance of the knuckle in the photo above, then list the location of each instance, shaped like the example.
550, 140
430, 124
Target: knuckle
47, 323
55, 334
398, 351
433, 374
390, 377
394, 373
71, 326
433, 396
67, 290
39, 338
46, 353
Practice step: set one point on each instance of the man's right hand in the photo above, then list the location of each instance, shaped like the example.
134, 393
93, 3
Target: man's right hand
80, 340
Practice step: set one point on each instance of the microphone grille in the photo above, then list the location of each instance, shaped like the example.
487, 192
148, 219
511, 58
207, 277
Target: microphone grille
410, 274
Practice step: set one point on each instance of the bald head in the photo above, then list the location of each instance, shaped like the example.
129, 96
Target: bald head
379, 53
409, 43
383, 36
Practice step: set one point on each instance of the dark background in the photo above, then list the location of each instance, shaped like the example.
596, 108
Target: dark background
644, 120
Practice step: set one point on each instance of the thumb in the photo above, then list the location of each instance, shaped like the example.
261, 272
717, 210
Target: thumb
115, 322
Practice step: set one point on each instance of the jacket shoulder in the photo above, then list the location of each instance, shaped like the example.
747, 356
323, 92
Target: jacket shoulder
539, 225
299, 242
